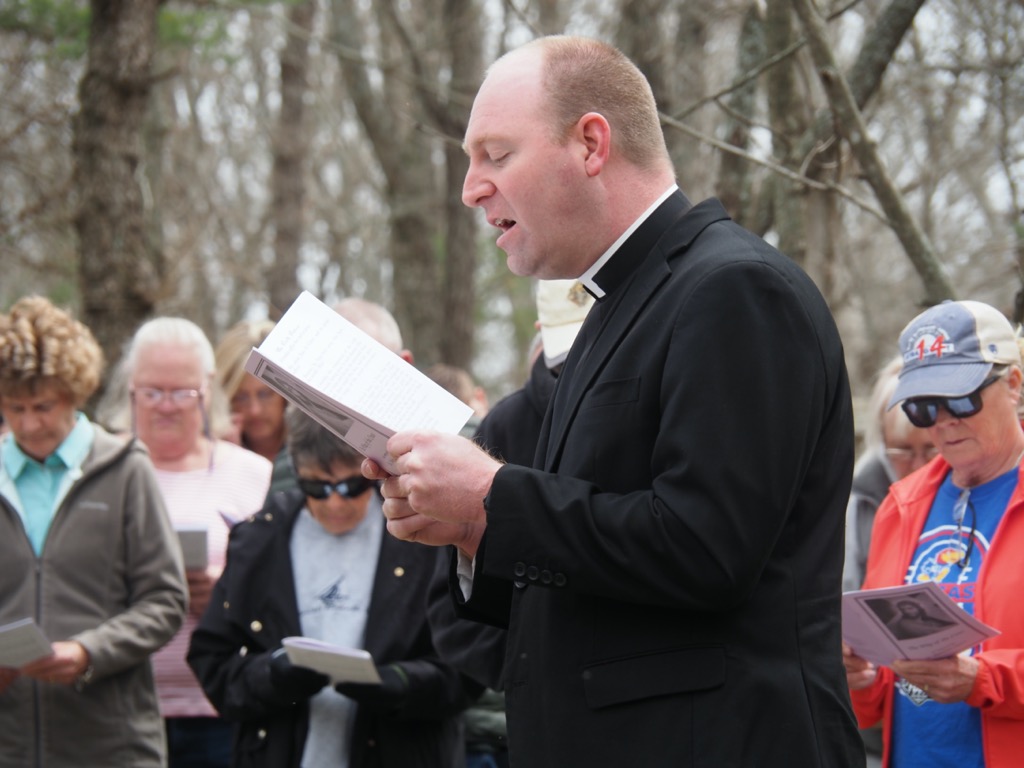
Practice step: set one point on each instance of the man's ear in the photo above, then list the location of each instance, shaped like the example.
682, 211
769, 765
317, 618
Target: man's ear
595, 134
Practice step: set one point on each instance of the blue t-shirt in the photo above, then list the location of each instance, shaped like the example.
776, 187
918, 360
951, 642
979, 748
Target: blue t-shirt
925, 733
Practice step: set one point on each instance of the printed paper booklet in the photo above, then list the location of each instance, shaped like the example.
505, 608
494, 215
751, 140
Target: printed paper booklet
912, 621
353, 385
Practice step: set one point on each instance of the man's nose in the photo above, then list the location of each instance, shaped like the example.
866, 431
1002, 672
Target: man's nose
476, 188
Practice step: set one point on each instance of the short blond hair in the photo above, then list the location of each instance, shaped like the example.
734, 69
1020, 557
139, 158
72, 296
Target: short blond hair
233, 351
41, 345
584, 75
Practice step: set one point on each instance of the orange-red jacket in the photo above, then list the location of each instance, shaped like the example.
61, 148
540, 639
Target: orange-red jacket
998, 690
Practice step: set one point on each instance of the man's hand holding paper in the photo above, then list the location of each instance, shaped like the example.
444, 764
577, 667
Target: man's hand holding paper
437, 495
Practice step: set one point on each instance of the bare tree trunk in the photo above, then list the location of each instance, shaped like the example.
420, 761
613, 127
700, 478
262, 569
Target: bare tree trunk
851, 125
865, 76
288, 177
734, 185
394, 128
402, 118
788, 119
675, 68
463, 26
551, 16
119, 267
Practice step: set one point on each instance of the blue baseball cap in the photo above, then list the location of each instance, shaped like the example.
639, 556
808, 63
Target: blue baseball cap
950, 349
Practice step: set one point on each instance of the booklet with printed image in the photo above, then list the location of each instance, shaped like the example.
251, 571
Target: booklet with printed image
911, 621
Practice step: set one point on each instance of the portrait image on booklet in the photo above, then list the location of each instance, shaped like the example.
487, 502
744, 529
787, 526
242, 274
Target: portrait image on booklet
911, 621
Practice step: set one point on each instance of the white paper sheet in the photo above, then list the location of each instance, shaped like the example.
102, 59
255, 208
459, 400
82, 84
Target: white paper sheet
342, 665
353, 385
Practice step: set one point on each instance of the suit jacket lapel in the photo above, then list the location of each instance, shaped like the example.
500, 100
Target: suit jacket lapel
609, 332
623, 308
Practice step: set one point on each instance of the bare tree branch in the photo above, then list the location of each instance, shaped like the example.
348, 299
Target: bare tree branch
776, 168
851, 124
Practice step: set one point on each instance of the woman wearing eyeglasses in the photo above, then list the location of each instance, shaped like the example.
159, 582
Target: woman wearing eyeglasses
959, 522
317, 562
177, 410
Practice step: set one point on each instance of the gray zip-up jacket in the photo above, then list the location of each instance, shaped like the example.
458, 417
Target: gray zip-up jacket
111, 577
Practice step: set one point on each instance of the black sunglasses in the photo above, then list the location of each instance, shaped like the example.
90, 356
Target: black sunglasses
923, 411
349, 488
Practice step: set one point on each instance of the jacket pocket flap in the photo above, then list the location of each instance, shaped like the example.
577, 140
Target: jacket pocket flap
656, 674
613, 393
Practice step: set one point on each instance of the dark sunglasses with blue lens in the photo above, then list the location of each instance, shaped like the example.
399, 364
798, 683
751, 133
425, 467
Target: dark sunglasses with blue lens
924, 411
349, 488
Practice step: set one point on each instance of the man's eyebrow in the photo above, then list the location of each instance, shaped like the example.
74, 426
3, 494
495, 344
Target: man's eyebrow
478, 142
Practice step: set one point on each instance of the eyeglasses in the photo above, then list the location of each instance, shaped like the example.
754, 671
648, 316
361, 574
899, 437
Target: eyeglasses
964, 503
349, 488
924, 411
153, 396
909, 454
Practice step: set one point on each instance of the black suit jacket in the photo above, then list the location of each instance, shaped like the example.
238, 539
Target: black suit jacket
253, 608
671, 573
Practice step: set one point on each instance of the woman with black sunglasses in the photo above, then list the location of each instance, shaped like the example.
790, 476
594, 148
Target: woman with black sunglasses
958, 521
317, 562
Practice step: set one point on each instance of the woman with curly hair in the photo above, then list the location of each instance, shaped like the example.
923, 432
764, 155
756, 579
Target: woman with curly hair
87, 552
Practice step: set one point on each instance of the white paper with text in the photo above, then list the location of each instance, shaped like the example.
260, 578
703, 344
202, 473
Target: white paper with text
353, 385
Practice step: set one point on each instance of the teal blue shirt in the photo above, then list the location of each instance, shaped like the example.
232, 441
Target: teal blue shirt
41, 486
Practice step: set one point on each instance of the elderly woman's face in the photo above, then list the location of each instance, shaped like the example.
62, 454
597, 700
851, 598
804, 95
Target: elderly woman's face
979, 445
168, 424
39, 422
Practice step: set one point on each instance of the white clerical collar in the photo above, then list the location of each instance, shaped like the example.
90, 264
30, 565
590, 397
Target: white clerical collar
587, 278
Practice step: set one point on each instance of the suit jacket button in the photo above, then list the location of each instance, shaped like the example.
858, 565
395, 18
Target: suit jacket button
545, 577
519, 569
560, 579
533, 573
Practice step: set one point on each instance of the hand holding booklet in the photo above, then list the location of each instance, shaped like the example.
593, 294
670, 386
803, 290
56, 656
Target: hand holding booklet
353, 385
912, 621
342, 665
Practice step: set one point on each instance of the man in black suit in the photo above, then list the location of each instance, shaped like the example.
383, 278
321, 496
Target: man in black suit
669, 570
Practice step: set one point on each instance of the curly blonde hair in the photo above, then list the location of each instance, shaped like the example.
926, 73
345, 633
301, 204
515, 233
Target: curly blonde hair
41, 346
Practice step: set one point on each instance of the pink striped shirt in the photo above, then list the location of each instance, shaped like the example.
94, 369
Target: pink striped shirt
236, 487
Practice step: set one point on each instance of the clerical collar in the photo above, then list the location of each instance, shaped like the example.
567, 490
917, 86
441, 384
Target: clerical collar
588, 278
